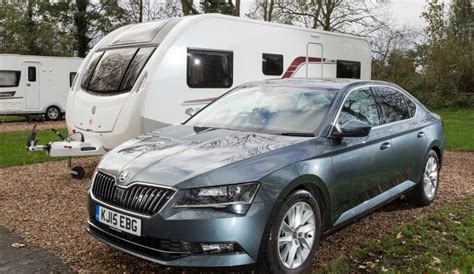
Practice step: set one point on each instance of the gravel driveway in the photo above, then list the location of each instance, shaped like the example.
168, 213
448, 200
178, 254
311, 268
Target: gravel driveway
48, 208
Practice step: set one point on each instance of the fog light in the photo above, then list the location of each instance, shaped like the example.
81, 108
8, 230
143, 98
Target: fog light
217, 248
212, 248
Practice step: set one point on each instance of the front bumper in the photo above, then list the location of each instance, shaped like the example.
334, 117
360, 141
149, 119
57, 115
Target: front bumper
165, 235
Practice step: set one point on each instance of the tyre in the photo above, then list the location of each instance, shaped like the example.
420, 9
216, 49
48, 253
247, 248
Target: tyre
53, 113
77, 172
425, 191
294, 235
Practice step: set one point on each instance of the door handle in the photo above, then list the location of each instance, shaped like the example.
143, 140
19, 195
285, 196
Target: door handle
385, 145
420, 134
28, 84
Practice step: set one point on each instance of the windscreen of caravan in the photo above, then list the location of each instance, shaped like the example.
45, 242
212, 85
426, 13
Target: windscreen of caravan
115, 71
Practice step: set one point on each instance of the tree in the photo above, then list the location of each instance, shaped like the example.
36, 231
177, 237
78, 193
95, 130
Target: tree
81, 23
447, 53
188, 7
217, 6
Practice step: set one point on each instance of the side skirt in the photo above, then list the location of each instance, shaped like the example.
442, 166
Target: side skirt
370, 206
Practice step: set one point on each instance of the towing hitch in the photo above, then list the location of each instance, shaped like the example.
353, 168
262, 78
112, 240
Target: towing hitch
66, 147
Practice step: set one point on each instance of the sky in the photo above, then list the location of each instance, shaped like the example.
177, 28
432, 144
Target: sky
408, 12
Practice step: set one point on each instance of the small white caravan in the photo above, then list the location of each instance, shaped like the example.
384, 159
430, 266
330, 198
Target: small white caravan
145, 76
32, 85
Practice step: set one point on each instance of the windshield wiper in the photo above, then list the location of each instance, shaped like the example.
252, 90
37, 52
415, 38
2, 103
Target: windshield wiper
298, 134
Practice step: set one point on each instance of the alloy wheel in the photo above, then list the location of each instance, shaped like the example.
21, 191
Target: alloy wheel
430, 177
296, 235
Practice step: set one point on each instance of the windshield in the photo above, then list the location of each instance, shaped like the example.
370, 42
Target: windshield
277, 110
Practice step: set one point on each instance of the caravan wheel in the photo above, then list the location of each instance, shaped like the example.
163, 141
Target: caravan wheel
53, 113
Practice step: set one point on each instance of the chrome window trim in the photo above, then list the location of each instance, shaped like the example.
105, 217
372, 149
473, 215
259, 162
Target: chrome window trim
125, 187
334, 122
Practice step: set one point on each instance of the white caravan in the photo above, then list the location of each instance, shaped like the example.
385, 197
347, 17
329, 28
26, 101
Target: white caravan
36, 85
145, 76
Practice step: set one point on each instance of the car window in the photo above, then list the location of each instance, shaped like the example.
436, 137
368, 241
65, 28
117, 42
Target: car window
393, 104
411, 106
359, 105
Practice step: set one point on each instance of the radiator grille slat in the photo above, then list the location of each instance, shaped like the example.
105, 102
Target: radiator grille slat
138, 198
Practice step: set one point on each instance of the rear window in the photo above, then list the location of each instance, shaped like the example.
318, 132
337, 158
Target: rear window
393, 104
115, 71
411, 107
9, 78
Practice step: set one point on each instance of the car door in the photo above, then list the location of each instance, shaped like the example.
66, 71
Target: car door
408, 146
361, 164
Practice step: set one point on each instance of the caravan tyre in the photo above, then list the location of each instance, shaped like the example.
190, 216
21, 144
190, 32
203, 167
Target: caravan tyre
53, 113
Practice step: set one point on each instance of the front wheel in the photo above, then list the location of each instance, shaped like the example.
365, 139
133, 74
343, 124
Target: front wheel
425, 191
294, 236
53, 113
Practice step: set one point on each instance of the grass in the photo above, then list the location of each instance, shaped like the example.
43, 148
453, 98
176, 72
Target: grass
13, 148
440, 242
12, 118
459, 128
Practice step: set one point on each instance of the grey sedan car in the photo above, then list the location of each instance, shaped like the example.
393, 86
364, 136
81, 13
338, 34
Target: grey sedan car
260, 175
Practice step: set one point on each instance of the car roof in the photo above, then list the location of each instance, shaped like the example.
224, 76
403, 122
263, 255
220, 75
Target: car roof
316, 83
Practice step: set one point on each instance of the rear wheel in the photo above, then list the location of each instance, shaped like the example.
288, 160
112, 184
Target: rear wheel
53, 113
426, 190
295, 234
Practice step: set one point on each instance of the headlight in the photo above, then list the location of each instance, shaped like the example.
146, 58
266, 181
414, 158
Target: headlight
234, 198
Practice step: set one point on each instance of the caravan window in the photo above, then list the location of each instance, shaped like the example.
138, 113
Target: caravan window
209, 68
90, 69
9, 78
348, 69
32, 74
115, 71
136, 66
110, 70
272, 64
72, 75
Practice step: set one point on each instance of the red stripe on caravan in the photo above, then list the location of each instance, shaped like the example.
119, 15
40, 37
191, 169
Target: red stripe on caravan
297, 63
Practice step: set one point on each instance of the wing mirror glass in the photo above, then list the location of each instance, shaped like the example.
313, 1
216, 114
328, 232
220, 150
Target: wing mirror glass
352, 128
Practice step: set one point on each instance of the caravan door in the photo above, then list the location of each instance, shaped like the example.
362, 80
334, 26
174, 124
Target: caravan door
32, 93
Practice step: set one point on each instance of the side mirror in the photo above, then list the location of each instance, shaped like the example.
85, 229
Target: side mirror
353, 128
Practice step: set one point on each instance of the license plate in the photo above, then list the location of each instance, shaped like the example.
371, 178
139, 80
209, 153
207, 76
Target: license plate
118, 220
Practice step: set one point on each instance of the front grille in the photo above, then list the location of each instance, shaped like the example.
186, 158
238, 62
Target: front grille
151, 247
138, 198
